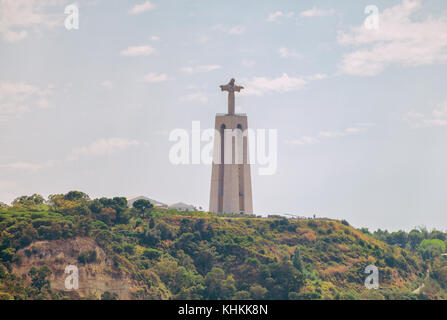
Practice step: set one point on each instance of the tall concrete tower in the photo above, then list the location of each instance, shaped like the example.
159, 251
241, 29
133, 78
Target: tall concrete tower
230, 177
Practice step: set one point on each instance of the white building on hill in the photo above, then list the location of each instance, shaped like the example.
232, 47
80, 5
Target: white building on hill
155, 203
180, 206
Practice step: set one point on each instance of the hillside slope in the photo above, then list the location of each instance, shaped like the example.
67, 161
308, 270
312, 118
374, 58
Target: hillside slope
161, 254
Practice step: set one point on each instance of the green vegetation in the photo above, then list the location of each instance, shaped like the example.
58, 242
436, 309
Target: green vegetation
198, 255
87, 257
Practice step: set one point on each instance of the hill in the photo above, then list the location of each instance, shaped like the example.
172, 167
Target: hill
149, 253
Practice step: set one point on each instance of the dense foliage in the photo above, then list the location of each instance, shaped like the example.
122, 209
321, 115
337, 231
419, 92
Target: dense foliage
429, 244
198, 255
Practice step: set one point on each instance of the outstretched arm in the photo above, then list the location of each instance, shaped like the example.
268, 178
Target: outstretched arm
226, 87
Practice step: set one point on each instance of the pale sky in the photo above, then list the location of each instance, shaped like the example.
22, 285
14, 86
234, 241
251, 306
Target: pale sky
361, 114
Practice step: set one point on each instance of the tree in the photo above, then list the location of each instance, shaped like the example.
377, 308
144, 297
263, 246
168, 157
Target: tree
119, 204
415, 237
166, 232
204, 256
33, 200
187, 284
151, 237
142, 205
436, 234
258, 292
166, 269
50, 232
431, 248
286, 279
107, 215
7, 254
95, 206
39, 277
297, 262
89, 256
28, 235
218, 286
365, 231
440, 274
398, 238
76, 196
242, 295
151, 253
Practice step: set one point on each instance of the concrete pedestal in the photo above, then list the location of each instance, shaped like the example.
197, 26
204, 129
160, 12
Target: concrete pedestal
230, 177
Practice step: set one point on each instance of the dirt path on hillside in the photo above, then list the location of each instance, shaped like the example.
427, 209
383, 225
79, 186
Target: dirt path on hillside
423, 283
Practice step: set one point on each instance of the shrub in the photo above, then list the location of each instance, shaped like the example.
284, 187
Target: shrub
151, 253
242, 295
7, 254
166, 231
130, 249
258, 292
89, 256
117, 248
142, 205
304, 296
109, 296
431, 248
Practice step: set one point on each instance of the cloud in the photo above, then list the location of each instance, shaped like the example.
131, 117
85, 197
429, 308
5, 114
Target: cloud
237, 30
143, 7
322, 135
261, 85
156, 77
400, 40
200, 69
155, 38
137, 51
17, 98
314, 12
436, 118
279, 14
199, 97
103, 147
346, 132
331, 134
288, 53
359, 128
317, 76
20, 17
304, 140
27, 166
366, 124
